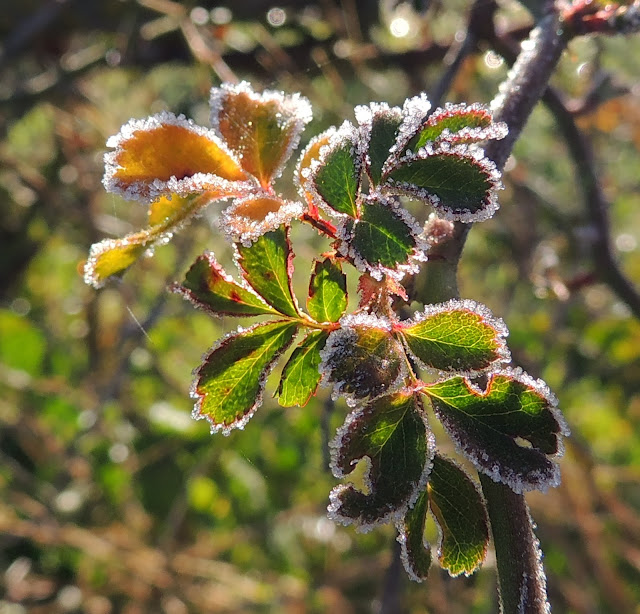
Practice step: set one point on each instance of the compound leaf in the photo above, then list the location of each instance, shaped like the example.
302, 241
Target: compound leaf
393, 434
509, 431
208, 286
229, 384
456, 336
327, 298
459, 510
300, 376
267, 265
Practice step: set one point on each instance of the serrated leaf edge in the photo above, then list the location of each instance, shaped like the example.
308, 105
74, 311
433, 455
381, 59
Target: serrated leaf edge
226, 429
498, 324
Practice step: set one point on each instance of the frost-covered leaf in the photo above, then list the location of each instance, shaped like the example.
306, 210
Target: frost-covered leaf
300, 376
166, 216
458, 183
459, 510
308, 157
362, 358
510, 431
208, 287
262, 129
335, 179
252, 216
164, 155
327, 299
392, 433
379, 124
457, 335
415, 550
384, 240
230, 382
457, 124
267, 265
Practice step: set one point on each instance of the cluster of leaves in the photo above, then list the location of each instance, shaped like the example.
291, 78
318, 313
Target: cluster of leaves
350, 182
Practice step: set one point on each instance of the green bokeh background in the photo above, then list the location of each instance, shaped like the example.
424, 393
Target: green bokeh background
111, 498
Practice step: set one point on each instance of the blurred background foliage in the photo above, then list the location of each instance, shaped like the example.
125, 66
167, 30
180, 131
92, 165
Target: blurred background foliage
111, 498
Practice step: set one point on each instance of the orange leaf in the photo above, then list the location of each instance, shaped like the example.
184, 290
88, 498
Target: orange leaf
165, 154
262, 129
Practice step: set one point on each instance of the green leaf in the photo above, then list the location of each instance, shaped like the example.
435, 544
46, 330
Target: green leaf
383, 123
459, 509
336, 180
267, 266
362, 358
457, 336
384, 238
327, 298
509, 431
300, 376
229, 384
456, 184
455, 123
23, 346
416, 551
393, 434
208, 287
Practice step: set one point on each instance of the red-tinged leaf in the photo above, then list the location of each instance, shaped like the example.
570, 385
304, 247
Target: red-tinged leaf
209, 287
267, 266
458, 124
230, 383
301, 376
511, 431
164, 155
362, 358
262, 129
327, 300
392, 433
461, 336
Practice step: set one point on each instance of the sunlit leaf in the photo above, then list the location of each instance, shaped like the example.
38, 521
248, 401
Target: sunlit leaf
392, 433
113, 256
306, 161
252, 216
267, 265
300, 376
457, 124
461, 336
336, 178
459, 510
165, 154
230, 382
510, 431
362, 358
208, 286
384, 239
415, 550
327, 298
458, 184
262, 129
